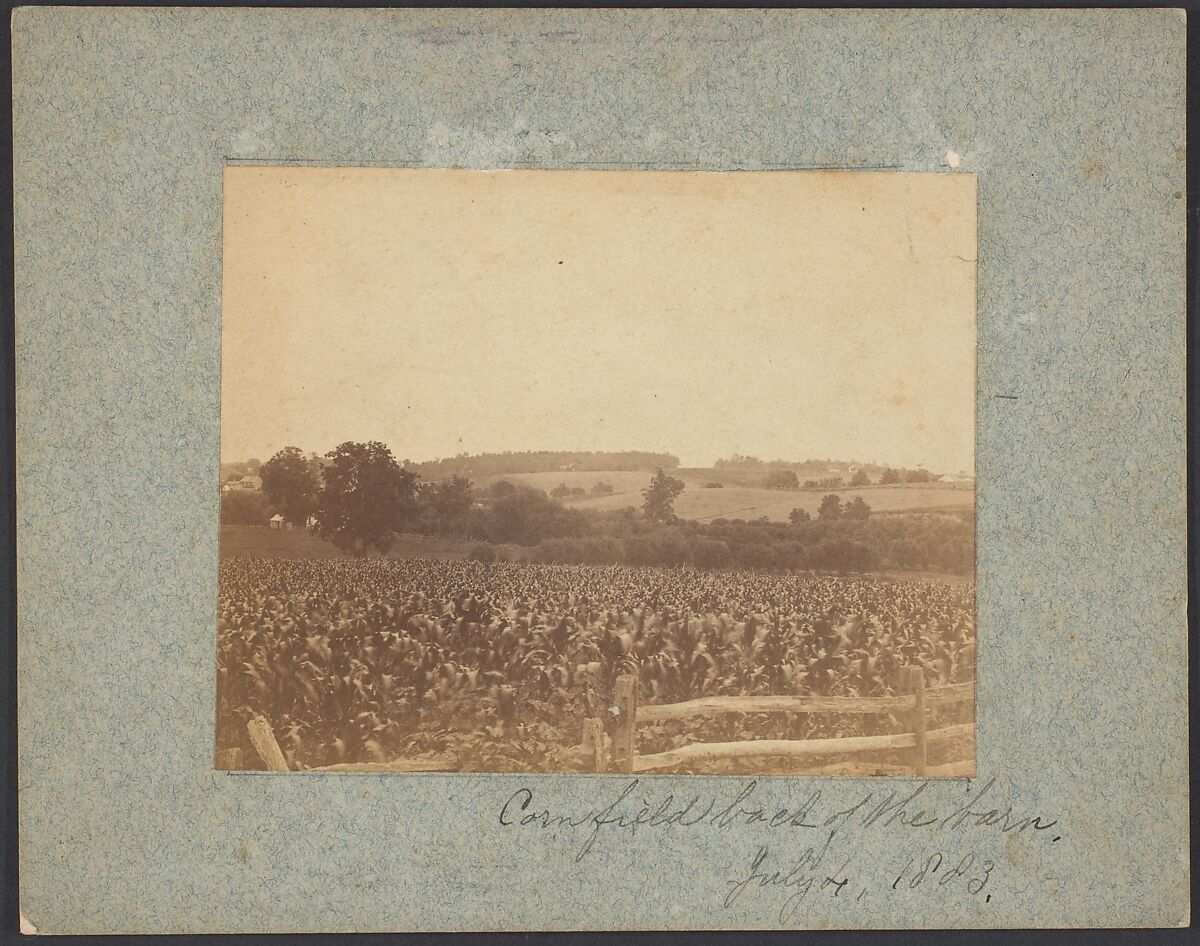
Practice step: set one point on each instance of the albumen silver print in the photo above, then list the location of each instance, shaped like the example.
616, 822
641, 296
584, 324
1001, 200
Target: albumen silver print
579, 471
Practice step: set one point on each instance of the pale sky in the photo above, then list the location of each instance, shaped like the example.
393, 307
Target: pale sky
786, 315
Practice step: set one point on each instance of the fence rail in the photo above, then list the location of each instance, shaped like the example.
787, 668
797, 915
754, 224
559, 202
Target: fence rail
714, 705
620, 755
913, 706
792, 748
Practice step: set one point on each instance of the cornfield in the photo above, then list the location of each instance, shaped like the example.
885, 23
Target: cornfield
498, 664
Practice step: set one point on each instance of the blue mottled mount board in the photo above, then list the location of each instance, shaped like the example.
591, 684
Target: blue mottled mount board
1073, 122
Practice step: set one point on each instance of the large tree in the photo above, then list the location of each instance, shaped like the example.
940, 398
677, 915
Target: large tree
451, 504
526, 516
366, 498
856, 509
289, 484
831, 507
659, 505
782, 479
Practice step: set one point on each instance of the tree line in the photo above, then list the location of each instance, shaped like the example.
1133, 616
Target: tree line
787, 479
541, 461
358, 496
941, 543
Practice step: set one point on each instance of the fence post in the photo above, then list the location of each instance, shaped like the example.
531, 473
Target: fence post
265, 745
597, 728
625, 742
593, 744
914, 683
229, 760
968, 660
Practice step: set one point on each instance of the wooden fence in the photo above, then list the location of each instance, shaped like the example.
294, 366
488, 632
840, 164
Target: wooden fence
620, 754
913, 706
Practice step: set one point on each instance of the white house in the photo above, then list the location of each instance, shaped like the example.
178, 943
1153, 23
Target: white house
247, 484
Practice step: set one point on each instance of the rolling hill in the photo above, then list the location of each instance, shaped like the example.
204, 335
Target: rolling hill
741, 502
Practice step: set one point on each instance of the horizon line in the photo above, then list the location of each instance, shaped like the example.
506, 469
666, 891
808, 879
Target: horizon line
680, 464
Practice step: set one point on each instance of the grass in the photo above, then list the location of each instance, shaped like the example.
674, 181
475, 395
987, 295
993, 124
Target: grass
263, 542
744, 502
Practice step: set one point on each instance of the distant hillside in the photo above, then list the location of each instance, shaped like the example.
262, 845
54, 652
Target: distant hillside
812, 468
739, 461
736, 470
737, 500
540, 461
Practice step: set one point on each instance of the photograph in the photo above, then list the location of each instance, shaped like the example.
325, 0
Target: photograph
512, 471
597, 471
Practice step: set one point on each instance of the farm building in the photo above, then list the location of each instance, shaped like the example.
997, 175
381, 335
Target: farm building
277, 521
955, 478
245, 484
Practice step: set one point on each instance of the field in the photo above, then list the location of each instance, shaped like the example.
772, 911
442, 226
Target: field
262, 542
495, 667
744, 502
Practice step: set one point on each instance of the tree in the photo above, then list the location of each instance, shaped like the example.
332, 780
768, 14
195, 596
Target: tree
798, 516
782, 479
451, 502
241, 508
366, 498
856, 509
500, 489
602, 489
289, 485
659, 505
889, 477
560, 491
860, 478
527, 516
831, 507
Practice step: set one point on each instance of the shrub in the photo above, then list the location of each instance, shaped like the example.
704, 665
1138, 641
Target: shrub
243, 509
569, 551
843, 555
603, 551
711, 553
640, 550
482, 552
782, 479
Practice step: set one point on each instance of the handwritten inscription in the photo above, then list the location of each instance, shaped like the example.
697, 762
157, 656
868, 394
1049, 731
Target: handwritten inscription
797, 880
943, 870
824, 862
632, 811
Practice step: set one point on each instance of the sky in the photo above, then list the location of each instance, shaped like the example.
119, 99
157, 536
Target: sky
784, 315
